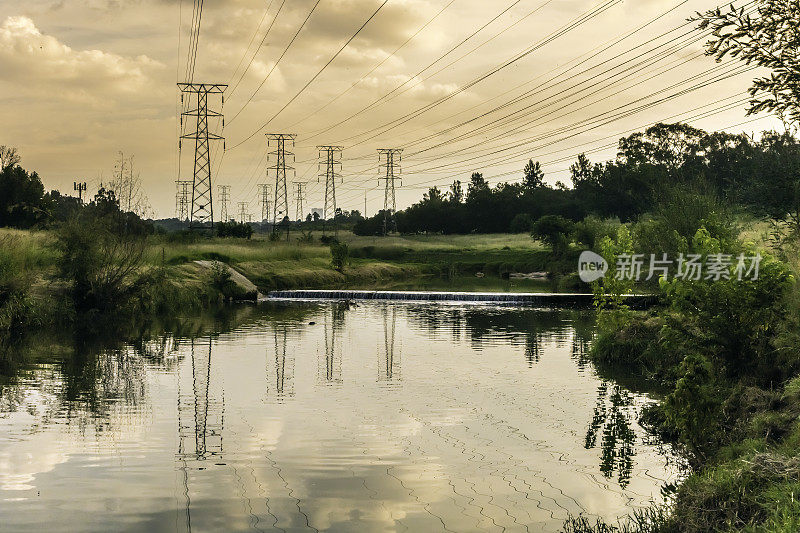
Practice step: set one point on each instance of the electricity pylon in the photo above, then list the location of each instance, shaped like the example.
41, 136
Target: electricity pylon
243, 214
182, 199
389, 159
202, 210
281, 205
80, 188
299, 198
264, 191
224, 199
332, 161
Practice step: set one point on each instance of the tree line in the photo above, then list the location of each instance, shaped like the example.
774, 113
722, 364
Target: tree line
761, 174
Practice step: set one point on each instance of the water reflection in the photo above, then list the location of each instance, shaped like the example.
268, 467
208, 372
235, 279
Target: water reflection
389, 369
613, 420
476, 435
333, 323
201, 416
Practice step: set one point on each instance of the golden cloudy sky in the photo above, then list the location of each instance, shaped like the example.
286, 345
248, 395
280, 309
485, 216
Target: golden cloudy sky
82, 80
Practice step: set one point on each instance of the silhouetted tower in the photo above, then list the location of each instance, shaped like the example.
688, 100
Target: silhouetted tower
224, 200
389, 159
299, 199
264, 191
80, 188
182, 199
202, 211
331, 157
281, 205
243, 215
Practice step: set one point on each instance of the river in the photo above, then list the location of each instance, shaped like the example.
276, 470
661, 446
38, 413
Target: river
323, 416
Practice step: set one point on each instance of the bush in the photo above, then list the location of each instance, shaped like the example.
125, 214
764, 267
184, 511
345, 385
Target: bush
222, 282
521, 223
234, 229
553, 230
17, 308
101, 266
339, 255
592, 229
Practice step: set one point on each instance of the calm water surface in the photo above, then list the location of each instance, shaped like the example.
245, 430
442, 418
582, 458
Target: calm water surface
290, 417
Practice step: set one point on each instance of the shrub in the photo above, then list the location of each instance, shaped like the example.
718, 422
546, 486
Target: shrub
101, 266
234, 229
521, 223
339, 255
592, 229
553, 230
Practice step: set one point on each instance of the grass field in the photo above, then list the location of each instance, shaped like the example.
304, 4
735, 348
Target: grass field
374, 261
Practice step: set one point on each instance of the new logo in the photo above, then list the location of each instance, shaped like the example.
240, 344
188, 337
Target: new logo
591, 266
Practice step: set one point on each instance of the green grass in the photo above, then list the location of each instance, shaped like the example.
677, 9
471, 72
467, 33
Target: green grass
416, 261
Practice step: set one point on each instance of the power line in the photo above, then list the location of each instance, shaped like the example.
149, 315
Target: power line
376, 67
421, 110
474, 33
250, 99
263, 40
603, 6
320, 71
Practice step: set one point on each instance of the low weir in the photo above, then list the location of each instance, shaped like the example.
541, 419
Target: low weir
536, 299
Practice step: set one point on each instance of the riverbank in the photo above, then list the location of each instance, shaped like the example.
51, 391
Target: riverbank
172, 271
725, 355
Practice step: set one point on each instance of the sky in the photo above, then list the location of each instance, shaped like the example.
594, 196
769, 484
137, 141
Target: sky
444, 80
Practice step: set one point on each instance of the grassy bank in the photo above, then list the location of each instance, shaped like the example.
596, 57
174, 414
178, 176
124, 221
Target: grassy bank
725, 354
34, 282
372, 260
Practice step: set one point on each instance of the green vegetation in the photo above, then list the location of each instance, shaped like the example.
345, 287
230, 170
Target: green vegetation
725, 349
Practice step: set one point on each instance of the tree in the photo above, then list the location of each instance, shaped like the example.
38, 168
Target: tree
672, 146
127, 186
8, 156
768, 38
22, 202
581, 171
554, 231
456, 194
534, 177
478, 186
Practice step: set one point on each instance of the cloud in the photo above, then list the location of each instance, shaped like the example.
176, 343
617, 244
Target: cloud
41, 62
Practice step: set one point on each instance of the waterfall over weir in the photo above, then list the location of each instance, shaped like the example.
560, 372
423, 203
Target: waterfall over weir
538, 299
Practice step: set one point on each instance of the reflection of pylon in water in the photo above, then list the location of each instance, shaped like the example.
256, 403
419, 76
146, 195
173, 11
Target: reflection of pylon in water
333, 358
207, 424
391, 362
283, 371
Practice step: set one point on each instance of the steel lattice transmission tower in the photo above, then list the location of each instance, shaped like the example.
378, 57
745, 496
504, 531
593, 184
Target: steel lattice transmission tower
333, 162
281, 205
264, 191
244, 216
299, 198
224, 200
202, 210
182, 199
389, 161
